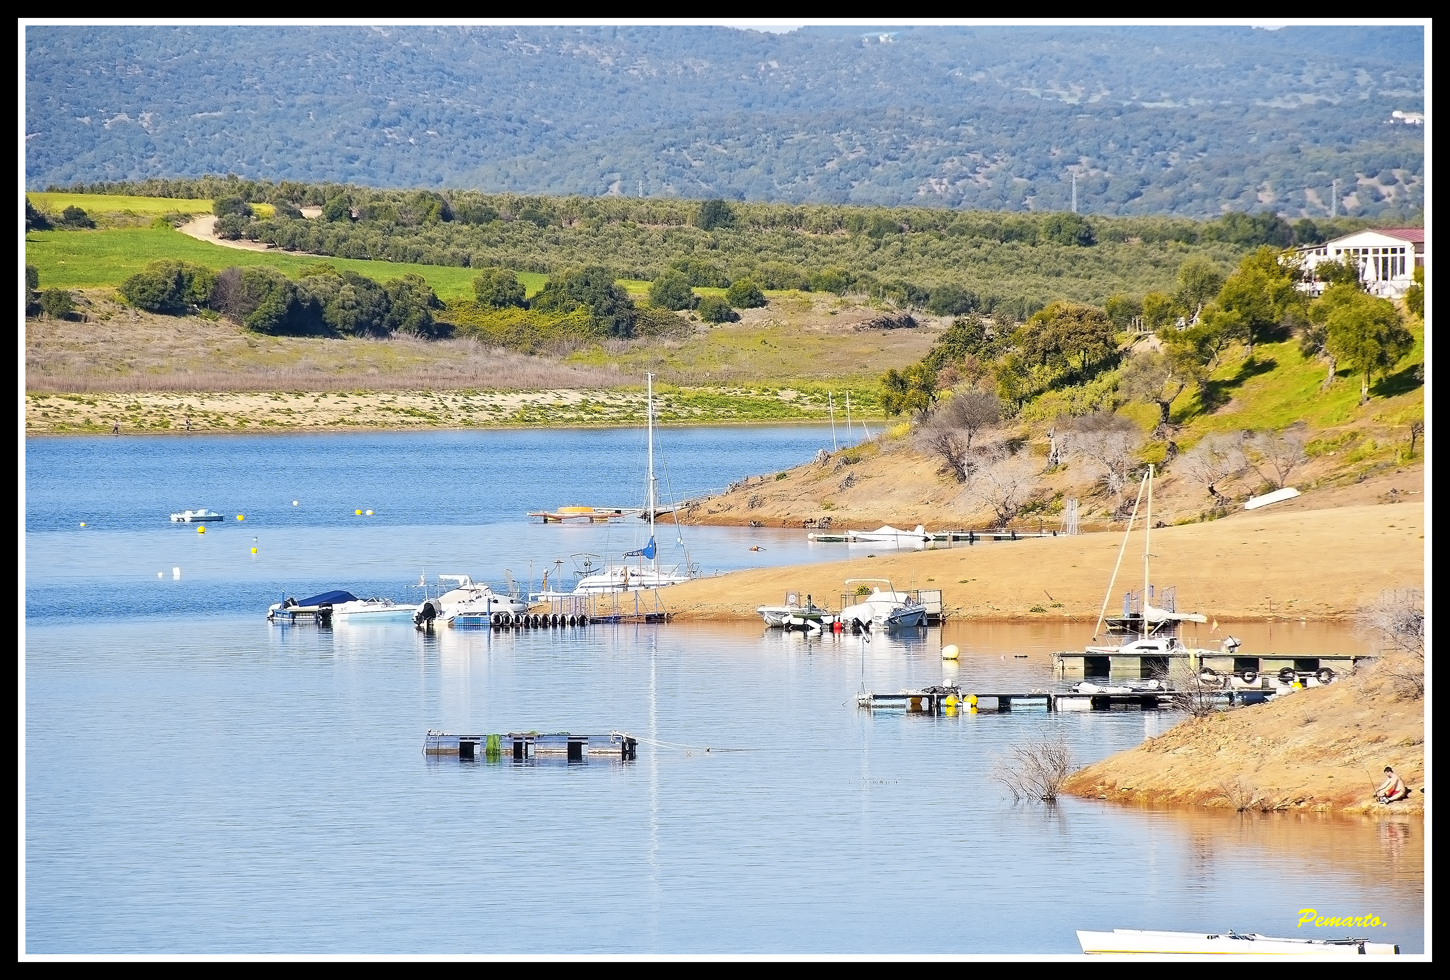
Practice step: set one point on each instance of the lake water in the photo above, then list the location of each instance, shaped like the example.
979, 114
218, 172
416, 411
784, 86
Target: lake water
198, 781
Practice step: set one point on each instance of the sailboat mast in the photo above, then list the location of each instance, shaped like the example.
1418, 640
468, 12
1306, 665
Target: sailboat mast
1147, 531
649, 412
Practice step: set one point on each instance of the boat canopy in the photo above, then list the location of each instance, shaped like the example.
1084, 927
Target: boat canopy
328, 598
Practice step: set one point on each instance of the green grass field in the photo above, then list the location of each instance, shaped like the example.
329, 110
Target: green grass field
89, 259
55, 203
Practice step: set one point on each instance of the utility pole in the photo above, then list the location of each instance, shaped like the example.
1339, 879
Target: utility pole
641, 188
1334, 199
1074, 192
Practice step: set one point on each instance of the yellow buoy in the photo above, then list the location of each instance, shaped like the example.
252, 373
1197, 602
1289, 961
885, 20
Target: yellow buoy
201, 530
83, 523
239, 517
949, 652
254, 551
358, 513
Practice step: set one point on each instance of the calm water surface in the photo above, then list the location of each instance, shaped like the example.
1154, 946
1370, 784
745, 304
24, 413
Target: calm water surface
199, 781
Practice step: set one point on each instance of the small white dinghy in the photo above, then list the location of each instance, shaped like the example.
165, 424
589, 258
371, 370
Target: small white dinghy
194, 516
1215, 943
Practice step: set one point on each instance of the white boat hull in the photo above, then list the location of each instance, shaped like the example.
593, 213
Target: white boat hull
1198, 943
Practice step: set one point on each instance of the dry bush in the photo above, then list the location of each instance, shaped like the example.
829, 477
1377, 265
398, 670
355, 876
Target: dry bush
1394, 624
1215, 460
1275, 455
1108, 444
1005, 485
1189, 690
1238, 794
1035, 770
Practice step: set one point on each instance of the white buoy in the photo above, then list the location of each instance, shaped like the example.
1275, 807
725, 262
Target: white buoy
949, 652
176, 573
160, 574
294, 503
370, 513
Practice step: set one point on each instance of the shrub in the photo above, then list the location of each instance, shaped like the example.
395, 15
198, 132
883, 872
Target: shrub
1035, 770
714, 309
591, 289
498, 288
73, 217
714, 214
57, 304
169, 286
671, 291
743, 294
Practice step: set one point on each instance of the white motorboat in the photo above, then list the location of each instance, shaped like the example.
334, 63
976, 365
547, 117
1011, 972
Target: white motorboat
468, 599
373, 610
795, 615
886, 534
193, 516
318, 608
882, 608
1209, 943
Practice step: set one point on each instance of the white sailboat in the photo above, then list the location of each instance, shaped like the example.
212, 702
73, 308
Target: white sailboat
639, 577
1156, 626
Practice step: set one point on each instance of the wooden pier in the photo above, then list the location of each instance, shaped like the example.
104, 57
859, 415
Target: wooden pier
530, 746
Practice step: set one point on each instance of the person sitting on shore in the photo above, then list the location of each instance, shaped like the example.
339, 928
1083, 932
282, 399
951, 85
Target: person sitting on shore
1393, 788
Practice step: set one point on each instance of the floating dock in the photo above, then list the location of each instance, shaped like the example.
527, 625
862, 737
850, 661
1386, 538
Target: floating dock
530, 746
1238, 671
951, 701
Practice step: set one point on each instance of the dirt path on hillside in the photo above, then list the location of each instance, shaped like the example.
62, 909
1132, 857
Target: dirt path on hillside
202, 228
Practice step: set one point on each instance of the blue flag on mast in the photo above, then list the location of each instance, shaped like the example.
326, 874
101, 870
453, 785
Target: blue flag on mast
648, 551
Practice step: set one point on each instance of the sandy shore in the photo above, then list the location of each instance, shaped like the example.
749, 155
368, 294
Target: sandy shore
1305, 564
1323, 748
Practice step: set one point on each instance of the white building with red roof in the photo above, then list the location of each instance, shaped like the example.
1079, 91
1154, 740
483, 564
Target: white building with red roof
1386, 258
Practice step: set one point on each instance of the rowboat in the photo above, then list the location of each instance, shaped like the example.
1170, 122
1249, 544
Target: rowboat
1218, 943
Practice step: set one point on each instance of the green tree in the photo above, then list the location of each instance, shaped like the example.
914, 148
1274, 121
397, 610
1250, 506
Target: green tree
831, 280
34, 220
1067, 228
57, 303
1159, 310
701, 272
912, 390
498, 288
337, 208
73, 217
411, 302
1344, 272
714, 214
1069, 335
1159, 377
951, 300
169, 286
715, 309
743, 294
262, 299
232, 204
1199, 281
350, 304
671, 291
593, 289
1261, 291
968, 336
1415, 295
1121, 309
1364, 330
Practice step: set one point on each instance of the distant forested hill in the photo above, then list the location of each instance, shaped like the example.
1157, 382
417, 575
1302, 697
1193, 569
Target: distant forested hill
1190, 121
